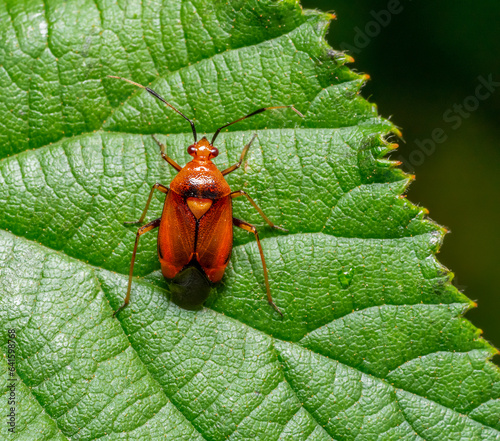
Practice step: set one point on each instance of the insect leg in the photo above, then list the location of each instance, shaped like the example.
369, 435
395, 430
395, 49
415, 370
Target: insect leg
157, 186
243, 153
250, 228
238, 193
144, 229
165, 156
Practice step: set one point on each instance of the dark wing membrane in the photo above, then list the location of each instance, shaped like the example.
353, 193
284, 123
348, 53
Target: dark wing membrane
176, 236
215, 238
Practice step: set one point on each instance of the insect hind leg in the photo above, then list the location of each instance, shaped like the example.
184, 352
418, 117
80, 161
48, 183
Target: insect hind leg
144, 229
251, 229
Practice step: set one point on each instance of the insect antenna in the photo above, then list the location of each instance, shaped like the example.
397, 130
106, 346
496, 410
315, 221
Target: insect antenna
252, 114
152, 92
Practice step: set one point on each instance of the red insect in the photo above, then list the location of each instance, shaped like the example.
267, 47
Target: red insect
195, 236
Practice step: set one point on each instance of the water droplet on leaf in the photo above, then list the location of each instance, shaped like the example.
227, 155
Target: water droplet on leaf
345, 277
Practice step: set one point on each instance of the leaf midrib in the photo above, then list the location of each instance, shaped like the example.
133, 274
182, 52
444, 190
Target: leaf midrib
345, 193
273, 339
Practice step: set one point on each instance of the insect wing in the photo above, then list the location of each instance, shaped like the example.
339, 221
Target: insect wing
215, 238
176, 236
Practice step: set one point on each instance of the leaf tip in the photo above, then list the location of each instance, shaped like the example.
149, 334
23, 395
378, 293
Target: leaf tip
397, 132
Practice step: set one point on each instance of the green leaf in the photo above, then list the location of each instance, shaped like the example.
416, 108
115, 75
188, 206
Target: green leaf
372, 344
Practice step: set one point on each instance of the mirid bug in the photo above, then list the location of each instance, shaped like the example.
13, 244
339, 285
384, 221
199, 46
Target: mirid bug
195, 236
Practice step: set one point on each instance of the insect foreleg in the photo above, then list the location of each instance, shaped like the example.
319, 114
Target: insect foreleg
165, 156
243, 153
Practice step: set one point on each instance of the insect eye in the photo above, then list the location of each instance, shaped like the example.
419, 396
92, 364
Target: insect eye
214, 152
192, 150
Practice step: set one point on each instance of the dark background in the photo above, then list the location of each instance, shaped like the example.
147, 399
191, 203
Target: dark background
425, 59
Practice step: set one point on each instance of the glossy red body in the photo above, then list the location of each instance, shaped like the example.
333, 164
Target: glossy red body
195, 236
197, 220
